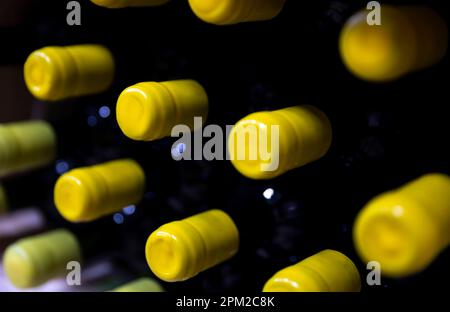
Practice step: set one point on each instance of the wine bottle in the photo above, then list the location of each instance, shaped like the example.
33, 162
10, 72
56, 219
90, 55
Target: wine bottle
410, 38
56, 73
180, 250
265, 145
326, 271
148, 111
229, 12
33, 260
29, 149
86, 194
405, 229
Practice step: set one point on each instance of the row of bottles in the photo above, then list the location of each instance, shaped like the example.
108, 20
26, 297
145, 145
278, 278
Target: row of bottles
411, 38
34, 260
404, 230
179, 250
304, 133
142, 109
223, 12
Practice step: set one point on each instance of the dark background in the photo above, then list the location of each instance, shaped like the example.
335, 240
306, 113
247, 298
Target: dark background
384, 134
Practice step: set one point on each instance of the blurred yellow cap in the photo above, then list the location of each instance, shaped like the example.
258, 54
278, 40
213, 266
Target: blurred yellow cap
405, 229
89, 193
26, 145
408, 39
34, 260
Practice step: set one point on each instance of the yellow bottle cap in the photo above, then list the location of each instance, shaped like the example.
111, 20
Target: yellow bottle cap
431, 33
180, 250
26, 145
259, 151
34, 260
326, 271
225, 12
144, 284
117, 4
57, 73
408, 39
148, 111
405, 229
3, 201
88, 193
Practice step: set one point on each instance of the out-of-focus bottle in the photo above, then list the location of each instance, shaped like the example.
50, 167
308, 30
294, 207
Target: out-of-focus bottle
409, 38
26, 145
88, 193
34, 260
405, 229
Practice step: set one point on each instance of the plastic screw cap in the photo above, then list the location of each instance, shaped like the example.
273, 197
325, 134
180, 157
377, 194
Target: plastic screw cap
57, 73
34, 260
26, 145
326, 271
405, 229
86, 194
144, 284
225, 12
265, 145
180, 250
117, 4
409, 38
149, 110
